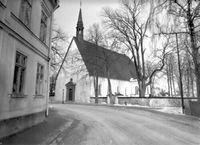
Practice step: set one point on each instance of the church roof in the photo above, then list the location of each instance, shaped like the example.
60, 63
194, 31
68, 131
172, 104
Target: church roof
97, 58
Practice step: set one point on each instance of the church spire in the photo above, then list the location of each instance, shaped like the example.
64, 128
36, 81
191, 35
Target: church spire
79, 27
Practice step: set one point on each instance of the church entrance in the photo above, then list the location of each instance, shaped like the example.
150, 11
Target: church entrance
70, 91
70, 94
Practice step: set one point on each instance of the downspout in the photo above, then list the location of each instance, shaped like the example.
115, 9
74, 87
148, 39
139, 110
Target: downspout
48, 64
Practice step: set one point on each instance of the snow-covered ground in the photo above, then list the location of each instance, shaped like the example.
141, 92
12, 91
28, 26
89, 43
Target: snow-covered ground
171, 110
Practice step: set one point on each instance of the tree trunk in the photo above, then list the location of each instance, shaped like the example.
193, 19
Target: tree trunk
152, 87
109, 86
168, 85
96, 87
192, 83
195, 53
174, 89
142, 89
191, 78
197, 72
171, 87
188, 83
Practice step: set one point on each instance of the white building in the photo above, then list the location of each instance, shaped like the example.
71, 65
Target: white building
25, 37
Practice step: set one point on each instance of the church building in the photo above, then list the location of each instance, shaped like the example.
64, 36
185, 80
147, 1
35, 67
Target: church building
83, 61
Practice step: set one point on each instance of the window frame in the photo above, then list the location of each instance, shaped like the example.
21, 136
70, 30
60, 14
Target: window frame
23, 12
43, 33
19, 92
41, 80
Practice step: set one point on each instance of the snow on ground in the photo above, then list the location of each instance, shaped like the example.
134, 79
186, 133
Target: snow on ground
171, 110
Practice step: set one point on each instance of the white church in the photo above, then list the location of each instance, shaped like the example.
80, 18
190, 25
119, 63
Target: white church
84, 59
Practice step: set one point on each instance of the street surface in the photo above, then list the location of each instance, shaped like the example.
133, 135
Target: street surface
101, 125
73, 124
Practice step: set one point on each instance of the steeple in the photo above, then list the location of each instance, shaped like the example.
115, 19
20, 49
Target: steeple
79, 27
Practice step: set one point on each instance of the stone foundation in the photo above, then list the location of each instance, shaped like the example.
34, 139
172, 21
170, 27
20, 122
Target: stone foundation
13, 125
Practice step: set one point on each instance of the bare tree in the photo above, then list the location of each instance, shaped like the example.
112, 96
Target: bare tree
186, 14
95, 34
59, 43
169, 70
100, 38
131, 28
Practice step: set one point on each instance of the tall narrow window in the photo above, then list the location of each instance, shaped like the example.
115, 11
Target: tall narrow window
43, 27
19, 73
25, 12
136, 90
39, 79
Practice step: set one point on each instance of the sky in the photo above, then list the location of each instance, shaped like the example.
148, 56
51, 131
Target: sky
66, 16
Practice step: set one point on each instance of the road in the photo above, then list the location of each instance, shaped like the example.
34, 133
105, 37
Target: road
103, 125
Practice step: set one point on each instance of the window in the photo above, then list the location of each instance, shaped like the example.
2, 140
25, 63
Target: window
52, 86
19, 73
43, 27
25, 12
39, 79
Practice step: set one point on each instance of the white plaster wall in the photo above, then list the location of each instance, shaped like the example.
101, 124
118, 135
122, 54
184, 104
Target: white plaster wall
60, 87
126, 88
82, 93
10, 107
16, 37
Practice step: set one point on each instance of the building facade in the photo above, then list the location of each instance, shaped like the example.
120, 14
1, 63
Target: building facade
25, 39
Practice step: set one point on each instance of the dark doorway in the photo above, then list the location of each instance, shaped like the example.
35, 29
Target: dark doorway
70, 91
70, 94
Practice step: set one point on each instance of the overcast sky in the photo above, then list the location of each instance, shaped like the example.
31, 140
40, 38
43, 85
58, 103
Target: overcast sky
66, 15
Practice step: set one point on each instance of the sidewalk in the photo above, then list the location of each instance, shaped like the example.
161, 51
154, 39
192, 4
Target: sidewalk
41, 134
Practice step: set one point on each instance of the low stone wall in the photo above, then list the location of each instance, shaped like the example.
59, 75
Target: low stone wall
191, 107
150, 102
100, 100
14, 125
133, 101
